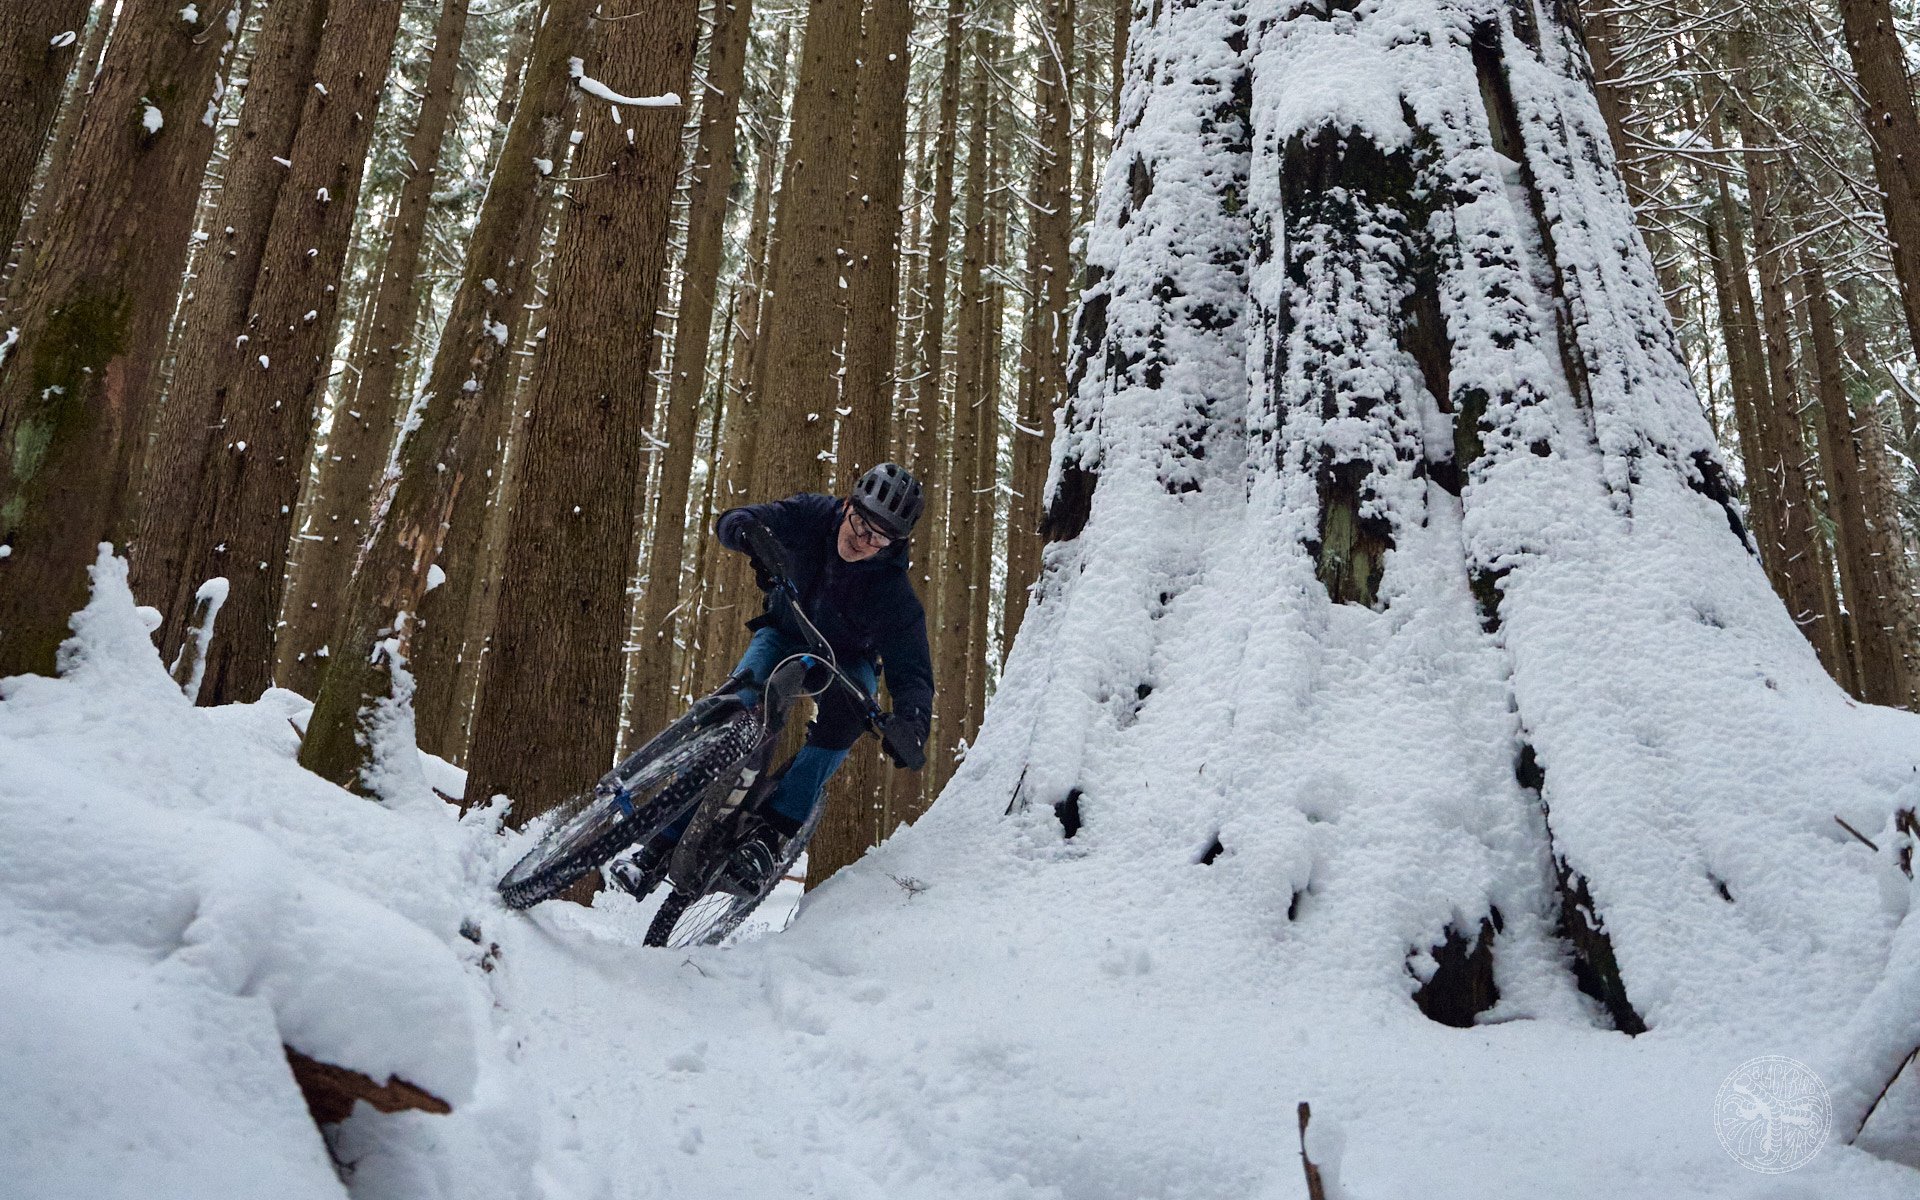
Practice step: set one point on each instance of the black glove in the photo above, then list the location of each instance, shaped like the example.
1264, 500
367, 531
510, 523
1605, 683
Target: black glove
768, 556
904, 737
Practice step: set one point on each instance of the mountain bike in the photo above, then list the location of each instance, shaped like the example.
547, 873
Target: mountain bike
713, 764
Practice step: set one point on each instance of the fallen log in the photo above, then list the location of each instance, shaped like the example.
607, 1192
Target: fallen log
331, 1091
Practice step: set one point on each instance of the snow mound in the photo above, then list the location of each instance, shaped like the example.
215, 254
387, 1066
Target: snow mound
163, 949
981, 1008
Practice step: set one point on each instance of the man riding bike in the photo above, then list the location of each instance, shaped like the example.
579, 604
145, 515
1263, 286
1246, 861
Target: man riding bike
847, 559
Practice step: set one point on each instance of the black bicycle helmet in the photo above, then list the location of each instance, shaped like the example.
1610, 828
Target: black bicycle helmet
891, 498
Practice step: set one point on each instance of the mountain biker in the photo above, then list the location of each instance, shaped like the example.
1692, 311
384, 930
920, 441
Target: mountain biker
848, 560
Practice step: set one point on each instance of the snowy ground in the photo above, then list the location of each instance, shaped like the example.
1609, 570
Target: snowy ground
980, 1010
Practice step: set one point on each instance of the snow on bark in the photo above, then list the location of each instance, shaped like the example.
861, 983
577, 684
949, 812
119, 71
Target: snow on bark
392, 771
593, 87
1394, 561
1158, 347
189, 667
1157, 344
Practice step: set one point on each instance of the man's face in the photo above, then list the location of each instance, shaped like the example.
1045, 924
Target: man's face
859, 539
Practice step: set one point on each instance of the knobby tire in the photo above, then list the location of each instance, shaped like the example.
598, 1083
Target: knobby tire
692, 919
593, 828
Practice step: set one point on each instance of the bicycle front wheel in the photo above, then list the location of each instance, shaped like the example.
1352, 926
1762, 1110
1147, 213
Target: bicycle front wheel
695, 919
591, 829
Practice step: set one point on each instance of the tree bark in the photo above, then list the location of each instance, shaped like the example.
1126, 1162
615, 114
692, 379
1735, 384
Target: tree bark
1616, 106
694, 621
982, 630
37, 40
656, 690
1746, 358
913, 303
873, 272
439, 510
254, 472
213, 315
1614, 97
1090, 110
364, 422
1043, 383
953, 653
1792, 559
90, 324
455, 619
555, 665
931, 367
1893, 128
60, 142
1867, 549
854, 820
805, 308
732, 598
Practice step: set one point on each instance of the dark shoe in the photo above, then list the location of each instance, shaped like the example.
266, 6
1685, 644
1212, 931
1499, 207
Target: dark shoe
640, 874
754, 859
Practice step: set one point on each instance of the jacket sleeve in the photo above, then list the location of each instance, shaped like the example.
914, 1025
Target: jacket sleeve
908, 664
786, 518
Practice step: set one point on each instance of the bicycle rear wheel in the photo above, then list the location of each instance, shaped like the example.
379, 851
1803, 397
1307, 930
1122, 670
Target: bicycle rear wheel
591, 829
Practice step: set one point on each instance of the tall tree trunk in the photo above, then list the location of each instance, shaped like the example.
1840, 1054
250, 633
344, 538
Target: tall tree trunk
213, 318
254, 473
656, 689
693, 663
954, 656
496, 289
931, 368
1794, 559
873, 284
932, 444
769, 120
805, 313
1090, 110
732, 597
1746, 357
1043, 383
37, 40
90, 323
60, 141
555, 664
1746, 362
982, 632
1616, 106
440, 509
852, 822
519, 44
913, 305
1614, 96
1867, 550
365, 420
1893, 128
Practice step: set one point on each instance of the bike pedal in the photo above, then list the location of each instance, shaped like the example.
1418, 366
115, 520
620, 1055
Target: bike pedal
638, 876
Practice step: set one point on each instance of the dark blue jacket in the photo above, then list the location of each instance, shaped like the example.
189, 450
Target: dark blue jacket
865, 610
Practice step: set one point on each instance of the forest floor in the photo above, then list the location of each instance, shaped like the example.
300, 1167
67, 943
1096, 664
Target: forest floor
975, 1010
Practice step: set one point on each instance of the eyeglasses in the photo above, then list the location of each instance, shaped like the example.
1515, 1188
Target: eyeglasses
864, 531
